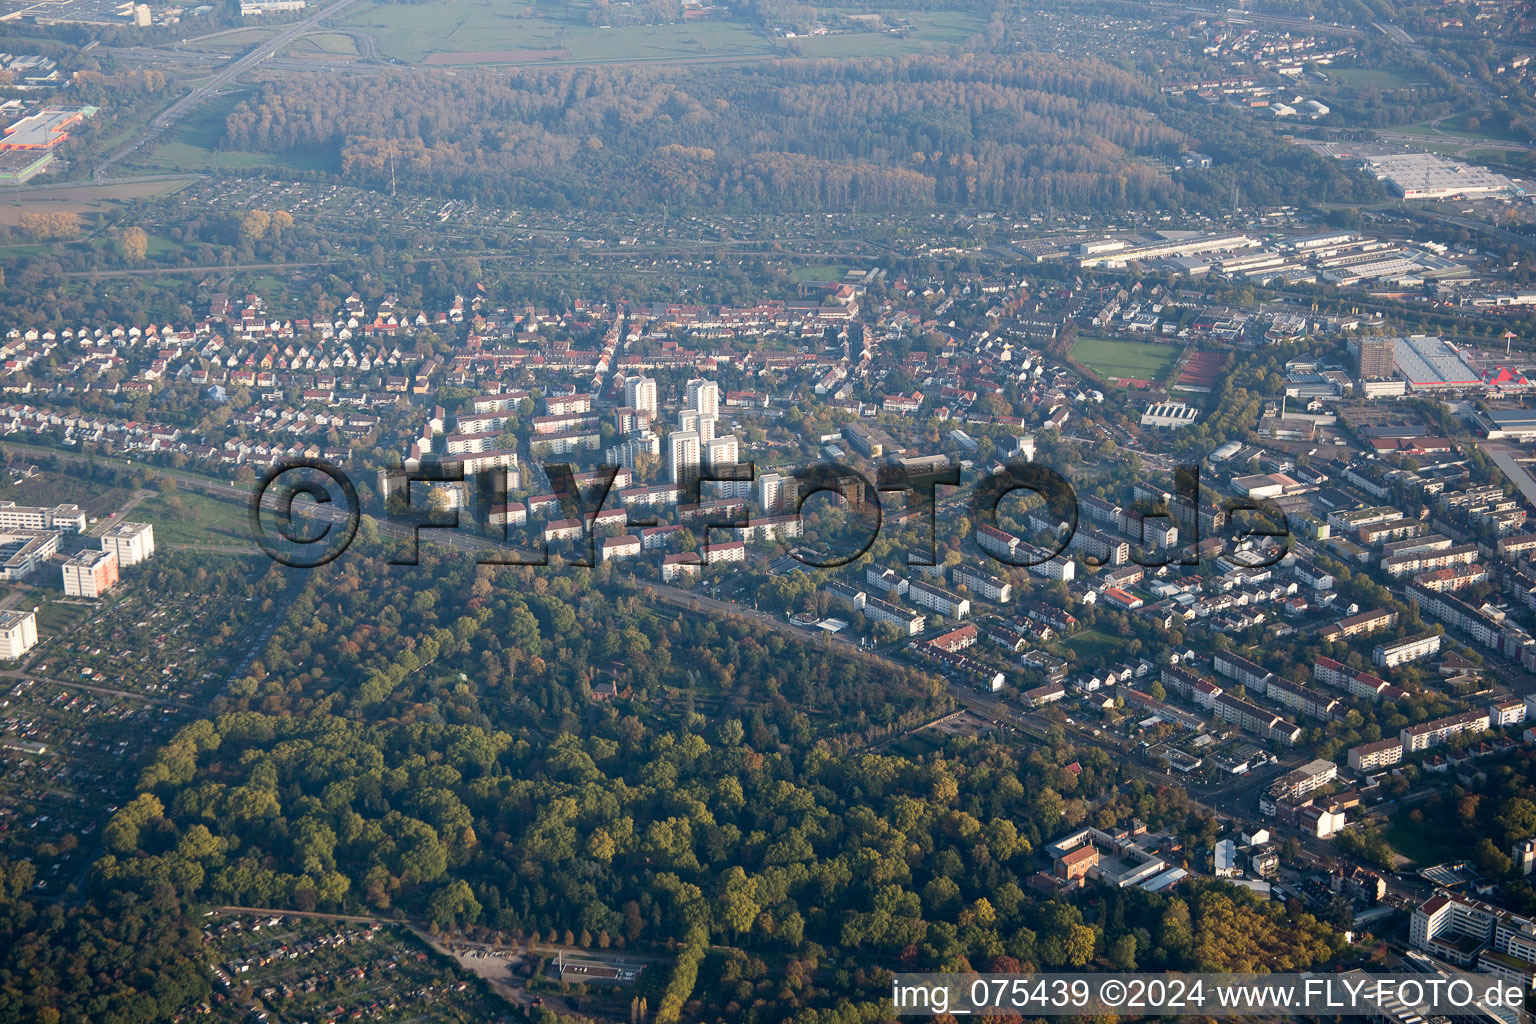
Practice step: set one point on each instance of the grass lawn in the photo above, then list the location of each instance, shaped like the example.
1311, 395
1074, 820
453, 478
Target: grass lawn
1426, 843
932, 31
49, 489
54, 618
181, 517
1090, 645
327, 44
238, 40
825, 272
1452, 129
195, 147
521, 32
159, 245
1142, 360
1373, 78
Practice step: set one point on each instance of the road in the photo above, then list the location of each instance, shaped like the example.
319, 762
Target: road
100, 691
231, 71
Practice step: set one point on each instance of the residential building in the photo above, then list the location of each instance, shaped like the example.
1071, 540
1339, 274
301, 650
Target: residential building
1400, 652
938, 599
132, 543
1370, 757
704, 397
640, 394
983, 584
18, 633
90, 573
684, 457
1432, 734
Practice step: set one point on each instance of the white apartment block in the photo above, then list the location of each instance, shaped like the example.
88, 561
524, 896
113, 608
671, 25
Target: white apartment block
131, 542
1400, 652
904, 619
627, 453
704, 426
640, 393
704, 397
984, 584
937, 599
1432, 734
18, 633
1057, 568
90, 573
1507, 712
1369, 757
683, 457
721, 451
773, 491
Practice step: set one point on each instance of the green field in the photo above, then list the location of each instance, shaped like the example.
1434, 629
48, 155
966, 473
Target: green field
1373, 78
181, 517
54, 616
238, 40
519, 32
1141, 360
824, 272
1090, 645
323, 44
195, 147
930, 31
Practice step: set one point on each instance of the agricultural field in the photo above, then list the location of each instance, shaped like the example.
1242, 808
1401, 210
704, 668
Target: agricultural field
461, 32
1139, 360
85, 200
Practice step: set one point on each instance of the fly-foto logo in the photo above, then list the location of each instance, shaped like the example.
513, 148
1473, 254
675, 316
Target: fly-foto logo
311, 533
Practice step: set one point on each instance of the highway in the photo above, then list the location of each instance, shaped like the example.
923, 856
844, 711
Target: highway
231, 71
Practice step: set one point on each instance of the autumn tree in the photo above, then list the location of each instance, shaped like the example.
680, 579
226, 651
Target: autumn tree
134, 244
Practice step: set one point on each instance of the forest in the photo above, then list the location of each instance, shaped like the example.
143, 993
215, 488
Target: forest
424, 742
1024, 132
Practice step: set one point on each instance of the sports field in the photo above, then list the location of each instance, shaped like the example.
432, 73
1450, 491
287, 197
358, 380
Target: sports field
522, 32
1138, 360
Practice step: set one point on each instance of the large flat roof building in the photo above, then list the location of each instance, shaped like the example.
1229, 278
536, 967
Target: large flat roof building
64, 518
1427, 176
1428, 363
22, 552
44, 129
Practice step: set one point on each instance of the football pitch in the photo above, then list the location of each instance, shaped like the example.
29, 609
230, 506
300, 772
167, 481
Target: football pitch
1139, 360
